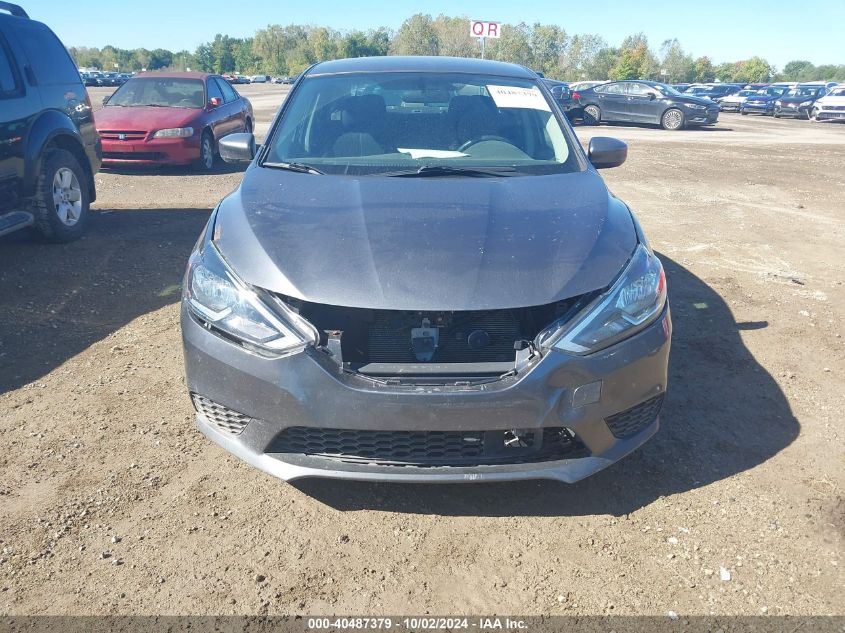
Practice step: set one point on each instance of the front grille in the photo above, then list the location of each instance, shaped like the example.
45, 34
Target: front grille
391, 344
833, 107
222, 417
635, 419
428, 448
133, 155
128, 135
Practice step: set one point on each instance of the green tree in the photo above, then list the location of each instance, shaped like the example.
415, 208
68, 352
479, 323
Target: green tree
222, 54
580, 57
636, 61
703, 70
454, 38
514, 45
601, 65
245, 60
204, 58
548, 45
160, 58
678, 65
798, 70
754, 70
416, 36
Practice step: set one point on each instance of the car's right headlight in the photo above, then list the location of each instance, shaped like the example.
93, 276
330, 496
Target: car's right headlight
175, 132
634, 301
222, 302
778, 102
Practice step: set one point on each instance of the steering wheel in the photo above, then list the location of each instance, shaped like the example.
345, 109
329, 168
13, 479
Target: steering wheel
481, 139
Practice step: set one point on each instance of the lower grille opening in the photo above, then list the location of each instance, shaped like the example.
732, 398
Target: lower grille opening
430, 448
222, 417
133, 155
633, 420
448, 344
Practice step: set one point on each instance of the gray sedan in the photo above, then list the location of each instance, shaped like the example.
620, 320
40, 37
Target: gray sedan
423, 278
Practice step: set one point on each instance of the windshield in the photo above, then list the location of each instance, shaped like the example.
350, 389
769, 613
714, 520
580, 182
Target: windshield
375, 123
668, 90
747, 93
802, 92
836, 92
160, 91
772, 92
697, 90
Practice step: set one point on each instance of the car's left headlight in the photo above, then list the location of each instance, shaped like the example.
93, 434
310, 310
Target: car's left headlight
634, 301
222, 302
805, 104
695, 106
174, 132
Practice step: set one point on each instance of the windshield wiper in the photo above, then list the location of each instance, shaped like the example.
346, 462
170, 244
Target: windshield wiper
298, 167
451, 170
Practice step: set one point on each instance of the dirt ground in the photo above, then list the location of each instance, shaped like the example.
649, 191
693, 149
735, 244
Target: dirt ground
111, 501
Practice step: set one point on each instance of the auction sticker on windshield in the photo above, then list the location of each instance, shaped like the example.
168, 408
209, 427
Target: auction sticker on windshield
512, 97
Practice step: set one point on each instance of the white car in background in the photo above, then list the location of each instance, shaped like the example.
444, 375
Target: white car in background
830, 107
732, 103
584, 85
259, 79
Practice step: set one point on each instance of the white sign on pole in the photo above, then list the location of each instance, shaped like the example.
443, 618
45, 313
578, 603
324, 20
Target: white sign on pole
482, 28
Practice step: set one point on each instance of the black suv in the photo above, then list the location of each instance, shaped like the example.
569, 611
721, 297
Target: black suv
49, 147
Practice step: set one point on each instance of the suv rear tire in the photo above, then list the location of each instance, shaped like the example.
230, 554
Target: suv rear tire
62, 200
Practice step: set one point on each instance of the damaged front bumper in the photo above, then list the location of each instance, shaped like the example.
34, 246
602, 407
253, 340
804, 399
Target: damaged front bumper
302, 416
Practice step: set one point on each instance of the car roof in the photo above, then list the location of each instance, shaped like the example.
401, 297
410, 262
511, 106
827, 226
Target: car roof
175, 74
394, 63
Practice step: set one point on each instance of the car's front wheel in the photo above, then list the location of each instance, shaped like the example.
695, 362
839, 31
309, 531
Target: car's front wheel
672, 119
592, 115
62, 199
205, 162
776, 113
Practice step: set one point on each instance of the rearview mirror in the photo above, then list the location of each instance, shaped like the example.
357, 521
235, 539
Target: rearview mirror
605, 152
237, 148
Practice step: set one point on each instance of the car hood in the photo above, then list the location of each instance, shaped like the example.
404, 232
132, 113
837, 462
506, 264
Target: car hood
763, 98
425, 243
143, 117
796, 99
702, 100
831, 101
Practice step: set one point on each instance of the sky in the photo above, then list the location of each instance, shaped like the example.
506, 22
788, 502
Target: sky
777, 30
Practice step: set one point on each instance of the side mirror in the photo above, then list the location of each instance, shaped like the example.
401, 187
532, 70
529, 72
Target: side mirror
214, 102
237, 148
652, 96
605, 152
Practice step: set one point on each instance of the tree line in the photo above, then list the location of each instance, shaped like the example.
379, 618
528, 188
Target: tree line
287, 50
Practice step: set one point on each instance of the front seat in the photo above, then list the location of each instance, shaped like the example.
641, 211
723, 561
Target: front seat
362, 119
472, 117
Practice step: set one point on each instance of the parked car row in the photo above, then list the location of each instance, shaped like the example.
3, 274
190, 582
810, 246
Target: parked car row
641, 101
98, 79
677, 106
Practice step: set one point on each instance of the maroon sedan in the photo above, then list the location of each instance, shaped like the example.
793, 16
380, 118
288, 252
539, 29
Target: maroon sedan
170, 118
